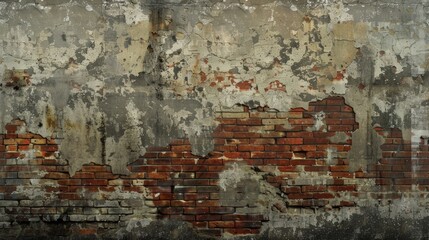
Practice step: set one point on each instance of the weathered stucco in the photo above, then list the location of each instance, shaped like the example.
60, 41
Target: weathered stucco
109, 79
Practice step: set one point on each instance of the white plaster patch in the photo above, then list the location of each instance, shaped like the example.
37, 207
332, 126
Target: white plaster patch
134, 14
232, 176
319, 123
89, 8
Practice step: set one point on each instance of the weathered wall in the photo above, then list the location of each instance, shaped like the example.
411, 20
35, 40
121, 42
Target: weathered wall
186, 119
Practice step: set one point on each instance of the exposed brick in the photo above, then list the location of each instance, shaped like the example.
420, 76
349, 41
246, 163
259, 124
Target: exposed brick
291, 141
342, 188
237, 155
263, 155
222, 210
249, 121
262, 141
221, 224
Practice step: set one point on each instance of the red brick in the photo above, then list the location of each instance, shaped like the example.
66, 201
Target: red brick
221, 224
276, 148
12, 136
302, 162
237, 141
207, 203
301, 121
262, 141
56, 175
333, 121
222, 210
211, 161
193, 168
49, 148
316, 154
290, 141
195, 210
343, 128
235, 128
287, 189
347, 204
249, 121
69, 182
181, 148
97, 168
158, 175
227, 120
316, 168
283, 155
342, 188
263, 155
11, 128
244, 148
182, 203
305, 148
246, 135
164, 203
316, 141
11, 155
170, 155
287, 168
87, 231
237, 155
339, 168
300, 134
277, 162
319, 188
207, 217
223, 148
342, 174
22, 141
105, 175
200, 224
323, 195
84, 175
92, 182
223, 135
11, 148
300, 195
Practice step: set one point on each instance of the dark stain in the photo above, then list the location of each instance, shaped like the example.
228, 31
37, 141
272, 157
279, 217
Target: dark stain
102, 130
64, 37
255, 38
95, 68
176, 70
389, 75
79, 54
127, 42
50, 118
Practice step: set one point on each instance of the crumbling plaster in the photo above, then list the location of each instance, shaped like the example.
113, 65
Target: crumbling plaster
114, 77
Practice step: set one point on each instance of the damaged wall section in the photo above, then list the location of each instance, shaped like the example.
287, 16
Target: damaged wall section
210, 118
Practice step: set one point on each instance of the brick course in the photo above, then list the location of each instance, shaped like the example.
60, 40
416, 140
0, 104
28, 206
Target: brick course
178, 185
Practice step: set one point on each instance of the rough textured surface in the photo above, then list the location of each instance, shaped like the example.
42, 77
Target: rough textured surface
201, 119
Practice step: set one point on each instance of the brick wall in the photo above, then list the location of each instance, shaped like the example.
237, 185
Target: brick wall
307, 148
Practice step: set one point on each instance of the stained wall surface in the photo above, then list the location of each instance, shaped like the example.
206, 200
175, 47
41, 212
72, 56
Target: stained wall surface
208, 119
